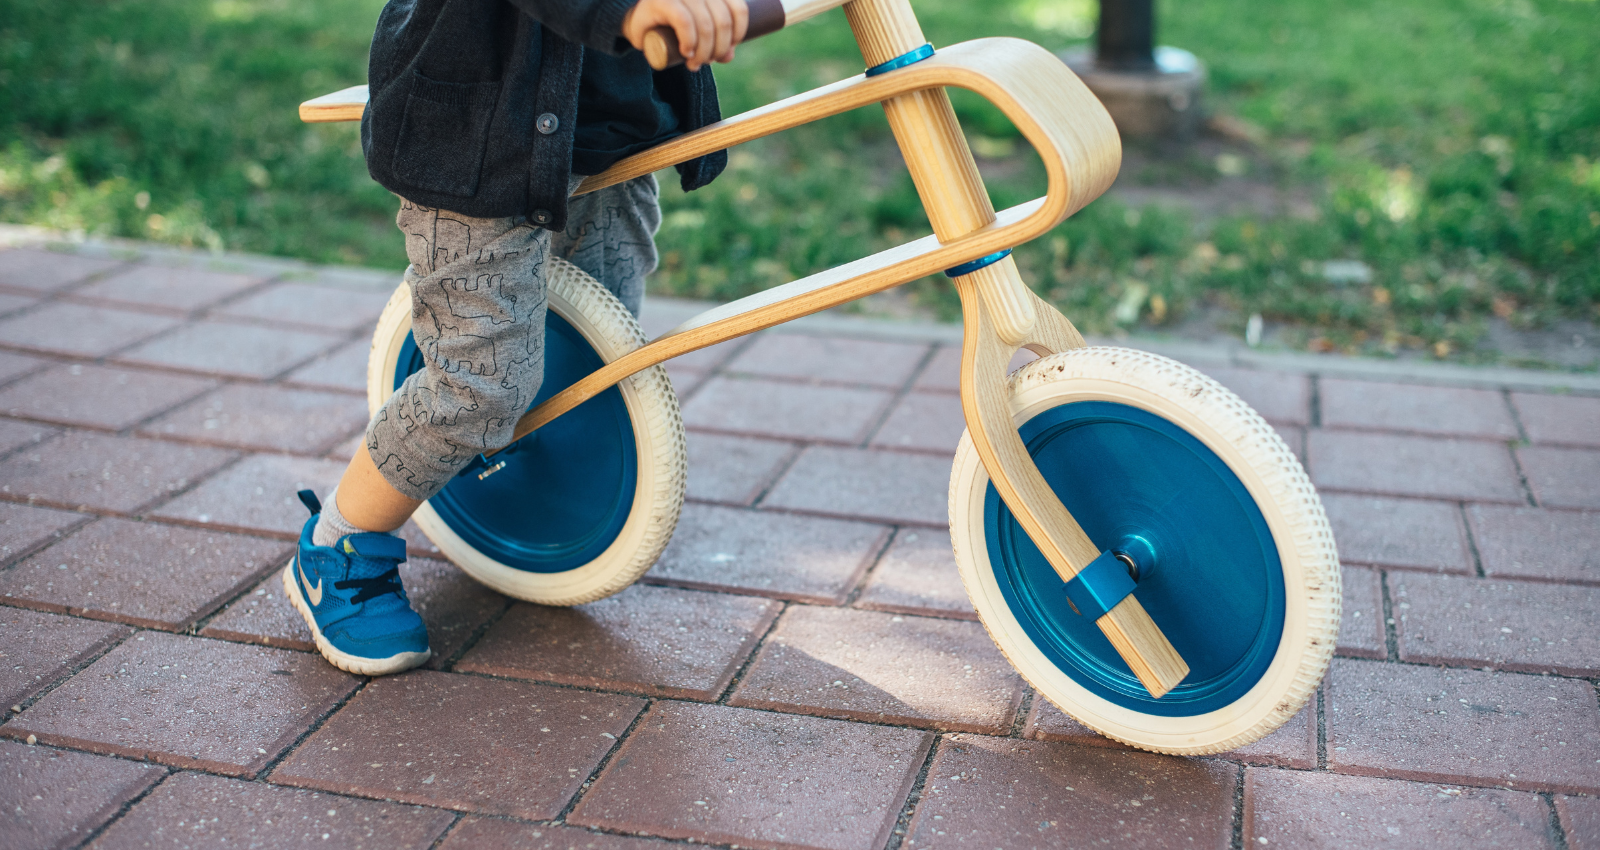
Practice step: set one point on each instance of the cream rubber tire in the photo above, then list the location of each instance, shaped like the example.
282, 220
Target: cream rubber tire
1286, 676
658, 444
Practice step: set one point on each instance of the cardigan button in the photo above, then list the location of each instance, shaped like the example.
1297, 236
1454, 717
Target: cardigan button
542, 217
547, 123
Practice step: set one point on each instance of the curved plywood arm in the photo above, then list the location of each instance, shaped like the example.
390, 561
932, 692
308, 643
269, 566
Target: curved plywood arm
1047, 102
1053, 108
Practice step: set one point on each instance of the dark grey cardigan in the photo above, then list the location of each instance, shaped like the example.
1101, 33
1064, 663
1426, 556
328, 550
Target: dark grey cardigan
473, 102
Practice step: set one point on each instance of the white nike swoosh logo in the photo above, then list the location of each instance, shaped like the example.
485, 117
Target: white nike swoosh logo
314, 592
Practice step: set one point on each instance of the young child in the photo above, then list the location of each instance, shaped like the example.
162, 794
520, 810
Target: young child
483, 116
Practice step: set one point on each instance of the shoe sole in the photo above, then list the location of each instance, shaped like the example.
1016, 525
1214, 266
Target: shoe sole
344, 660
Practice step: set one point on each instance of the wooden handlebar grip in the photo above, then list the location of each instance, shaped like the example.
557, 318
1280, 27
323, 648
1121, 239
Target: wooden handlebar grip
766, 16
661, 48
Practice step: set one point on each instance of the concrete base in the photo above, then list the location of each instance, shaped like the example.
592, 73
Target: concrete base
1159, 104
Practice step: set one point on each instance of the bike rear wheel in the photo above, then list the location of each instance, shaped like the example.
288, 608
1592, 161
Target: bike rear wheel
583, 506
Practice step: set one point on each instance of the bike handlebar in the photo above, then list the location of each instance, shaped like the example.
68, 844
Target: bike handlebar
766, 17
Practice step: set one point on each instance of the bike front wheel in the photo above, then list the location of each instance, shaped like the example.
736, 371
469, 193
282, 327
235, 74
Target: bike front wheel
1151, 457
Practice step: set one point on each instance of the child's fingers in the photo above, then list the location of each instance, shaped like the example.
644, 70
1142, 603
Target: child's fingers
741, 21
705, 35
722, 17
682, 20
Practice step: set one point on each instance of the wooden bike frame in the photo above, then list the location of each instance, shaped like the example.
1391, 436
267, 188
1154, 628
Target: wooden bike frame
1081, 152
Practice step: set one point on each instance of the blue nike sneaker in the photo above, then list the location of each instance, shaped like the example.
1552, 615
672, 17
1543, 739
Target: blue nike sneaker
351, 597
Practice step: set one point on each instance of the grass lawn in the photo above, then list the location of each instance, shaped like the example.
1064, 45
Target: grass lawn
1438, 161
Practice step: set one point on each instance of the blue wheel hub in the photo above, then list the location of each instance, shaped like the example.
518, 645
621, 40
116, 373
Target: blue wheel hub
1207, 568
566, 490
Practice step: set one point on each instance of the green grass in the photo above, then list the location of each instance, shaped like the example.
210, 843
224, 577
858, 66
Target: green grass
1452, 146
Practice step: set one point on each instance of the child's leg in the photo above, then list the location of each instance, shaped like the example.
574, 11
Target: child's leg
611, 235
478, 304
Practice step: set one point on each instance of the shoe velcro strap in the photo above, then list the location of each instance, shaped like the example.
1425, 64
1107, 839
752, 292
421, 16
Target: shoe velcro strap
373, 545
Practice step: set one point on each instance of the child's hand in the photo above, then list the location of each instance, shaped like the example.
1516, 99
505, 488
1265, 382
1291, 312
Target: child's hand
707, 30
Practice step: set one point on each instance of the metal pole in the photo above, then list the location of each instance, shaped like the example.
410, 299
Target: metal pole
1126, 37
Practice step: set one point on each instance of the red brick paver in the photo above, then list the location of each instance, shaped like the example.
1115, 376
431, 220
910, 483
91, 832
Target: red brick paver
98, 396
265, 417
1361, 631
475, 833
1537, 544
1559, 420
140, 573
829, 359
918, 575
305, 304
1463, 726
102, 471
462, 742
33, 270
188, 702
1510, 625
36, 649
857, 483
1430, 467
660, 641
23, 528
196, 810
54, 798
1449, 411
15, 435
734, 469
931, 422
13, 364
1285, 809
1406, 533
81, 330
11, 302
1562, 478
818, 485
227, 348
991, 792
1580, 820
1280, 398
1294, 744
181, 290
884, 668
757, 779
256, 494
343, 369
787, 557
785, 410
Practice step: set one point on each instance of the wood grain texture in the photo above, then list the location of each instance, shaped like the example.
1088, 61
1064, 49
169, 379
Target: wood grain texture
985, 399
1000, 313
795, 11
884, 29
342, 105
1054, 110
661, 49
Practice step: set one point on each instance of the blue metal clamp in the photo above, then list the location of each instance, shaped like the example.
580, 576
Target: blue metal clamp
1098, 587
904, 59
981, 262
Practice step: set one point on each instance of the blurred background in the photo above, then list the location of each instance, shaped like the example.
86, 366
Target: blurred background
1417, 179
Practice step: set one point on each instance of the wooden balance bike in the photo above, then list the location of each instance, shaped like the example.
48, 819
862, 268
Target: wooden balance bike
1143, 547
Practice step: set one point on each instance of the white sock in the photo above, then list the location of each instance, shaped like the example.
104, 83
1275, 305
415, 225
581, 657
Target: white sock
331, 525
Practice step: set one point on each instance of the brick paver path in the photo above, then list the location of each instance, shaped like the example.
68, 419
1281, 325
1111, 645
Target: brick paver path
801, 669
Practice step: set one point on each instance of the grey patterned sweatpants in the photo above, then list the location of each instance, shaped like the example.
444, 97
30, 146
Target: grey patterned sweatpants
477, 314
